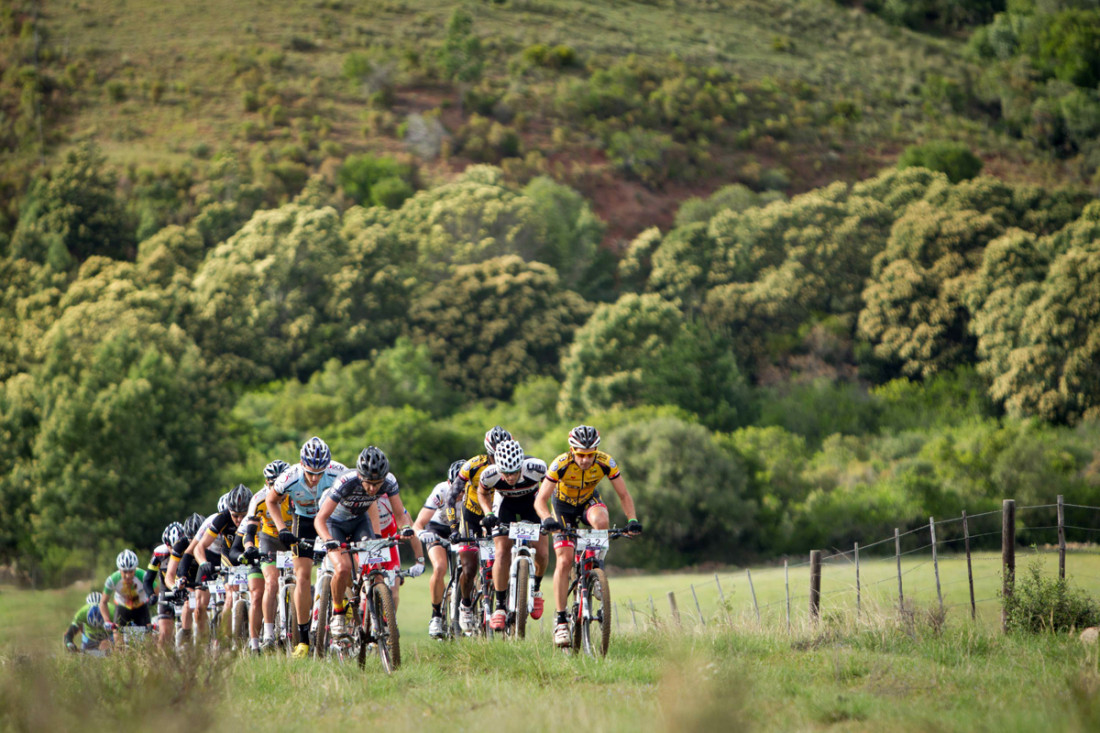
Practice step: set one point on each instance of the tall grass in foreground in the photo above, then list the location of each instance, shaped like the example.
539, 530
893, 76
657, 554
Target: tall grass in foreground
883, 673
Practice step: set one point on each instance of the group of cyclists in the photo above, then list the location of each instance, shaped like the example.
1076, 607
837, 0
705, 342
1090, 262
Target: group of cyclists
318, 507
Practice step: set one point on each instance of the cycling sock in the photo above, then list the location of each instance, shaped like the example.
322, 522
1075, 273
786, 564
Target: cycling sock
562, 618
466, 603
538, 583
437, 610
269, 631
303, 633
254, 643
338, 610
502, 598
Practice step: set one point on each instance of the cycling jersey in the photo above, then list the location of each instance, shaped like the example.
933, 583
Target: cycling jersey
91, 633
306, 500
468, 477
352, 498
573, 486
437, 502
222, 526
127, 595
531, 474
385, 512
158, 565
257, 512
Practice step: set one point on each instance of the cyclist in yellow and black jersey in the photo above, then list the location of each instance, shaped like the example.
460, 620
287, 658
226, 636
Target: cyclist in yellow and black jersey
568, 496
262, 534
468, 513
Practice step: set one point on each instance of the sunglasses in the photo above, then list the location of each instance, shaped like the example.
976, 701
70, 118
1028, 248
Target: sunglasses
314, 473
584, 453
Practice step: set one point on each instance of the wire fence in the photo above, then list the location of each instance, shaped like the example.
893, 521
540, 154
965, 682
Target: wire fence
944, 569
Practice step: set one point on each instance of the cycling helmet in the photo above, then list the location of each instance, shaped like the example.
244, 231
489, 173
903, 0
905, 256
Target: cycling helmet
238, 498
223, 502
452, 472
584, 437
127, 560
95, 617
509, 456
191, 525
93, 598
275, 469
315, 454
495, 437
172, 534
372, 464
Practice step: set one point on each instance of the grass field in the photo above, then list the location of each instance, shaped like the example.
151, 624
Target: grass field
872, 675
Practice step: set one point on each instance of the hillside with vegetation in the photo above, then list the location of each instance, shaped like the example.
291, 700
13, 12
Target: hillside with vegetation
814, 270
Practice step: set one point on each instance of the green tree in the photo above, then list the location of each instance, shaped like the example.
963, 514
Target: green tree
72, 213
949, 157
691, 493
640, 351
494, 324
462, 57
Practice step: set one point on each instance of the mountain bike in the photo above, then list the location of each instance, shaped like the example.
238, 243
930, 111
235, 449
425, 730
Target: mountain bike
238, 617
521, 576
286, 614
590, 610
370, 604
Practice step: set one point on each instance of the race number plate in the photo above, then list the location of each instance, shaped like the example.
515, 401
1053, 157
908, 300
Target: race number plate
592, 539
528, 531
373, 552
486, 551
284, 560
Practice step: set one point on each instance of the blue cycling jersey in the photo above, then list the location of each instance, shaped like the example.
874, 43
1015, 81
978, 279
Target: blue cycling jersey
306, 500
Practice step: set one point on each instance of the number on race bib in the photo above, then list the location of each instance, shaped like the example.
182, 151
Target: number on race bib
486, 551
592, 539
524, 531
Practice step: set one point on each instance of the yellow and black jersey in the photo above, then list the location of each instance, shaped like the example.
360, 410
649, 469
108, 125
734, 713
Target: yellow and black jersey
257, 512
471, 474
574, 486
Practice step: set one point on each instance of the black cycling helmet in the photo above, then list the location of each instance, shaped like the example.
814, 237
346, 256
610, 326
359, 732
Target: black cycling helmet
238, 499
584, 437
275, 469
191, 525
372, 464
452, 472
495, 437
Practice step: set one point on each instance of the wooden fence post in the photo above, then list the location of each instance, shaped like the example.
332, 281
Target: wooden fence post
935, 561
755, 605
633, 615
653, 610
969, 569
1008, 556
815, 585
787, 590
859, 598
1061, 538
675, 610
897, 554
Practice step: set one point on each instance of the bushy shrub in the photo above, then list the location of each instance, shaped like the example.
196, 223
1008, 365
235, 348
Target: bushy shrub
1039, 604
951, 158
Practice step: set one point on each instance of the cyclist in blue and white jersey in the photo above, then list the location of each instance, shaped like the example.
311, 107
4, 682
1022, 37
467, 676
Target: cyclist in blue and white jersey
350, 513
304, 483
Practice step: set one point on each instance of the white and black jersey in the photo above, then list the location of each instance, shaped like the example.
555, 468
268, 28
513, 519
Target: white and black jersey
531, 474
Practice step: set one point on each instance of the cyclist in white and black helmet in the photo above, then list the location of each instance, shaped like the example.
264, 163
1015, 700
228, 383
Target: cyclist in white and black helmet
433, 526
507, 492
462, 498
126, 587
156, 573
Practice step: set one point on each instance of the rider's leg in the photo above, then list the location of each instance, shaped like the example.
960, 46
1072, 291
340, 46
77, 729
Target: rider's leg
502, 566
438, 555
341, 576
468, 560
596, 516
564, 551
255, 605
271, 581
303, 597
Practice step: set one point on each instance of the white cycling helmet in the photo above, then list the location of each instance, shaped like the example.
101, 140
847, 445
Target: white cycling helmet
127, 560
93, 598
509, 456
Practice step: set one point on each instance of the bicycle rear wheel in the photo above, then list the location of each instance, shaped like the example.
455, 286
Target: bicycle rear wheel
387, 636
596, 629
291, 637
240, 623
324, 614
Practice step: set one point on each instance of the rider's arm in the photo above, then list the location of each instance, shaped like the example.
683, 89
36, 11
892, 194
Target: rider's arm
103, 607
625, 499
274, 501
320, 522
399, 514
250, 531
375, 519
198, 547
542, 499
170, 572
418, 548
423, 518
484, 498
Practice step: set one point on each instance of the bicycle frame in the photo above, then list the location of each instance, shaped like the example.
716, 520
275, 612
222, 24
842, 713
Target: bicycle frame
523, 536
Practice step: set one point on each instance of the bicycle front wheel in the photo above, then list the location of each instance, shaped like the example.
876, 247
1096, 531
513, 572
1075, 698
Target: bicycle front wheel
324, 614
596, 629
385, 631
291, 637
523, 578
240, 624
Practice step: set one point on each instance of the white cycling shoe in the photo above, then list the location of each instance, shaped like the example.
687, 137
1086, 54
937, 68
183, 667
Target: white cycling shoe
435, 627
466, 618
